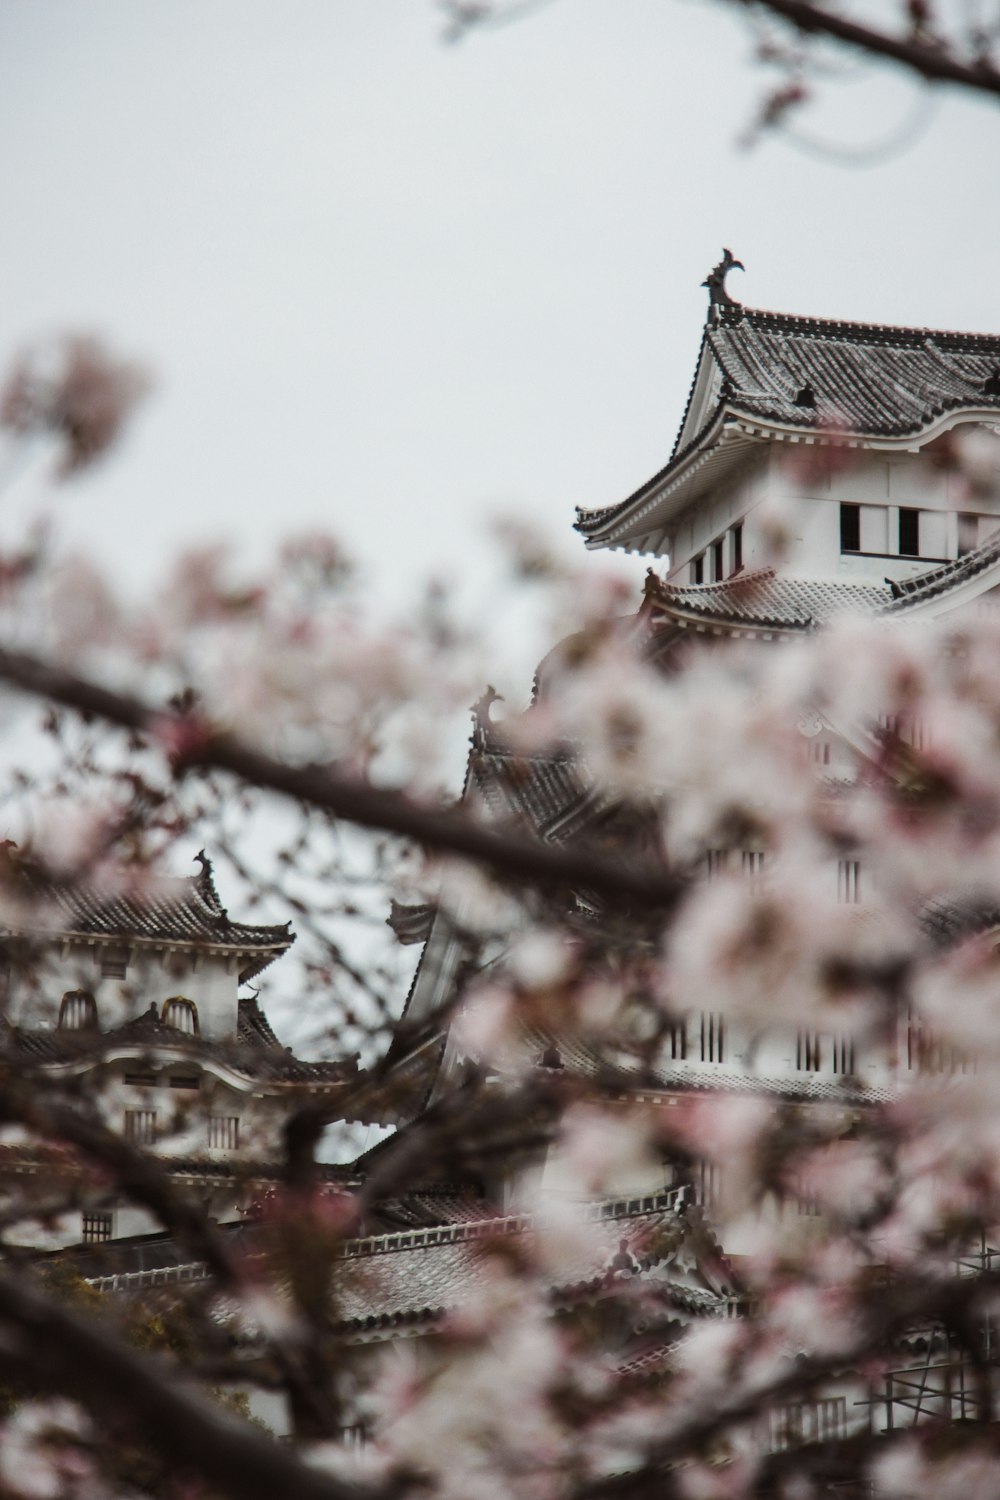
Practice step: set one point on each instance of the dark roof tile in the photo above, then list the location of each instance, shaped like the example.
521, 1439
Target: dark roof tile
182, 910
865, 380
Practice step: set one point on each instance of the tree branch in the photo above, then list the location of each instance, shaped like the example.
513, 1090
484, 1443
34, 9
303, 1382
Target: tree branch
933, 61
69, 1354
441, 829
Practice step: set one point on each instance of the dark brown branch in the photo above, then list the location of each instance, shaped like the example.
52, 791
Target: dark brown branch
140, 1176
69, 1354
440, 829
931, 60
144, 1180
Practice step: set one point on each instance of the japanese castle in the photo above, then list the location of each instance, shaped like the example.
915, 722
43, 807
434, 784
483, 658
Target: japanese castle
847, 430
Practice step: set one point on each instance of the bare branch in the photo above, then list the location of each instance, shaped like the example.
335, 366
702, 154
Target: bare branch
68, 1354
346, 797
931, 60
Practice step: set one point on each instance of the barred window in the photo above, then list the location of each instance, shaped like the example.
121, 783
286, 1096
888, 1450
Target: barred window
140, 1126
842, 1056
715, 862
223, 1132
141, 1079
753, 862
182, 1013
709, 1181
184, 1081
77, 1011
95, 1228
676, 1041
713, 1037
849, 881
927, 1053
114, 963
808, 1053
808, 1422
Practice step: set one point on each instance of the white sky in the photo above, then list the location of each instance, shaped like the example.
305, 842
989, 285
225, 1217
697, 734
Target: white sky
390, 286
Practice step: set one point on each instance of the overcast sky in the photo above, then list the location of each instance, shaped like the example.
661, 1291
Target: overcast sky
390, 286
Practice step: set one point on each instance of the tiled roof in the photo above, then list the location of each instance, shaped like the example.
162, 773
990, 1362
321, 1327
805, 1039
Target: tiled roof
424, 1209
948, 920
864, 378
762, 599
410, 924
540, 790
416, 1276
940, 580
252, 1025
816, 376
177, 910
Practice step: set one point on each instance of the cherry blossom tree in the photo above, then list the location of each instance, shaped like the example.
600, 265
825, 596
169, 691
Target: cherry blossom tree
227, 695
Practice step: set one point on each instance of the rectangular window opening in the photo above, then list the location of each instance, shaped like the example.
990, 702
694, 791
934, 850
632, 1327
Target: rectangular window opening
698, 569
676, 1041
808, 1056
820, 1421
909, 533
708, 1183
753, 862
140, 1126
114, 964
850, 528
95, 1228
849, 881
842, 1055
184, 1081
713, 1037
738, 547
718, 561
223, 1132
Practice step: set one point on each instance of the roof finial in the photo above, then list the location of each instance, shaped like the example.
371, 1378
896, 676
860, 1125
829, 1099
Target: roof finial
481, 720
716, 280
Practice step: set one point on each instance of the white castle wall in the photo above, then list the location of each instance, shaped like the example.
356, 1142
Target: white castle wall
794, 482
209, 981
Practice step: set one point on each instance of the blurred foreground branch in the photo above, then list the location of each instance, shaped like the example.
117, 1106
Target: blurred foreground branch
192, 743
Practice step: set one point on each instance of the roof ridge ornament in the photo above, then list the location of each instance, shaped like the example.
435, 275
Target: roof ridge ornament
716, 281
206, 885
482, 721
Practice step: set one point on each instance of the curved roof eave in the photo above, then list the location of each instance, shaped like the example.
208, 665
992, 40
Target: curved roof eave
735, 426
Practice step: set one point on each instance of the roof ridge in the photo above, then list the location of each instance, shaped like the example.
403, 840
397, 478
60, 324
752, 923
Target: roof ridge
443, 1234
738, 313
932, 580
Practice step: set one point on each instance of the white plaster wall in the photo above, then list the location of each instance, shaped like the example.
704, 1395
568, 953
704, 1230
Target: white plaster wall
211, 982
809, 495
712, 517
